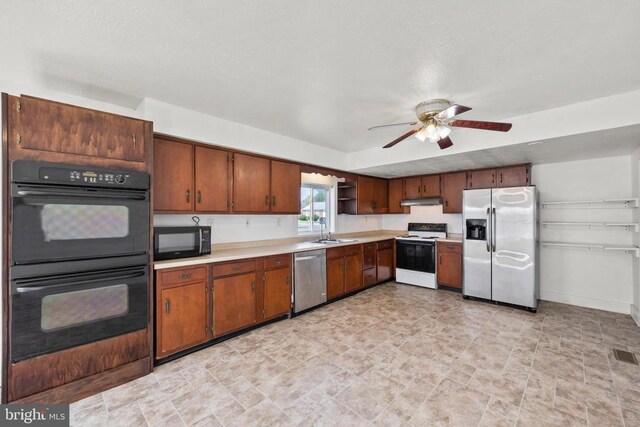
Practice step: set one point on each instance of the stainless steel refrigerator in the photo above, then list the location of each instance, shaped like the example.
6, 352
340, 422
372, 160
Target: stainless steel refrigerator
500, 247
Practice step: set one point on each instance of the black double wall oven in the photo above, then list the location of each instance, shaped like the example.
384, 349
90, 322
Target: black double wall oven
79, 254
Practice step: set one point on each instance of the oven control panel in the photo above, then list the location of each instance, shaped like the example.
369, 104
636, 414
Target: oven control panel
29, 171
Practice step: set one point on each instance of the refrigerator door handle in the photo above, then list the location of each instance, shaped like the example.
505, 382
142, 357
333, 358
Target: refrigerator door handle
493, 229
488, 235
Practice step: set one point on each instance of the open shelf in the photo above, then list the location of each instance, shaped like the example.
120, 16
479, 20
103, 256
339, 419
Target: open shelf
629, 203
629, 249
628, 226
347, 197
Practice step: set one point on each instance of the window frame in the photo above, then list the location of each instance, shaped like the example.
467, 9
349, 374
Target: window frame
327, 208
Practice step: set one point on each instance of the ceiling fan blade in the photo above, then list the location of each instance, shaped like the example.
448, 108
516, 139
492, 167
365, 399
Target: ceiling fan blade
452, 111
500, 127
445, 143
393, 124
400, 138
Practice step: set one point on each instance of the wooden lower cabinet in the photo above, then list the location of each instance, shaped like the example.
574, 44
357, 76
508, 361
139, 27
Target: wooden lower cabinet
275, 293
234, 303
384, 264
335, 277
352, 272
182, 309
449, 268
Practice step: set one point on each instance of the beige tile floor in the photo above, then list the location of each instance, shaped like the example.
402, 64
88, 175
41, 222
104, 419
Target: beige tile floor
396, 355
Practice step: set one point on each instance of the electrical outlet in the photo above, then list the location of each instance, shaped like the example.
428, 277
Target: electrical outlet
247, 221
279, 221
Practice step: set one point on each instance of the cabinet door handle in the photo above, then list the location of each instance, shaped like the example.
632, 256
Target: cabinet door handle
273, 201
446, 203
278, 261
288, 280
266, 200
419, 189
424, 188
493, 178
237, 267
134, 139
199, 196
167, 306
188, 196
500, 177
440, 259
253, 286
185, 275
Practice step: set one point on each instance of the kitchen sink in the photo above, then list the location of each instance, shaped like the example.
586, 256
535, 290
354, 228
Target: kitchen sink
333, 241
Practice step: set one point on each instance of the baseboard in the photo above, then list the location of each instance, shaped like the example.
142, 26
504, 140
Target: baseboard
583, 301
635, 313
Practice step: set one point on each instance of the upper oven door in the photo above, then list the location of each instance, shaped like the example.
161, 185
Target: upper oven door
416, 256
56, 223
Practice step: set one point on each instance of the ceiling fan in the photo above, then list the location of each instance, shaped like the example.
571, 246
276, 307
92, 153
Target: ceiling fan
435, 122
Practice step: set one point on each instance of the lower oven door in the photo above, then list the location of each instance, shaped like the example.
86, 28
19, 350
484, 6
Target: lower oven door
58, 312
416, 256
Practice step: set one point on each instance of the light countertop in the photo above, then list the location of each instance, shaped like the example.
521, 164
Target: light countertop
451, 240
221, 255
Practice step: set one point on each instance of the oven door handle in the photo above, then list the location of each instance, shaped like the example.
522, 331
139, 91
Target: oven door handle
101, 195
27, 288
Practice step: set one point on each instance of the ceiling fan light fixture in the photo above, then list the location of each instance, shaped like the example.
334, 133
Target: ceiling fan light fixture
443, 131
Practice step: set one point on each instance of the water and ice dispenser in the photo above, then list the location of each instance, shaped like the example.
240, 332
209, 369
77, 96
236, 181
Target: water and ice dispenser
476, 229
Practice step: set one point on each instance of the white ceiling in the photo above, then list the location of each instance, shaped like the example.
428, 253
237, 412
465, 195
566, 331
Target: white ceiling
324, 71
607, 143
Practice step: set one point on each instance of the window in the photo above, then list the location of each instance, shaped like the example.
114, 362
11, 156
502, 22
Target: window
314, 209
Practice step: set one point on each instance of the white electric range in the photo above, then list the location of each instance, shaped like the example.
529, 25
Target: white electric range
416, 254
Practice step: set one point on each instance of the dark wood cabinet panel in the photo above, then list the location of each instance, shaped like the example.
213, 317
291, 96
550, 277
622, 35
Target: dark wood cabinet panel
484, 178
173, 176
277, 293
431, 186
396, 195
211, 180
365, 195
335, 277
368, 259
234, 303
380, 196
251, 184
353, 272
450, 269
413, 187
384, 264
182, 317
513, 176
369, 276
52, 126
285, 187
452, 186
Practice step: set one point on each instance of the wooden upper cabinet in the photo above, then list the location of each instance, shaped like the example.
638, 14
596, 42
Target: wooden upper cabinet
396, 194
173, 176
285, 187
211, 180
365, 195
484, 178
251, 184
182, 319
234, 303
380, 196
413, 187
514, 176
452, 186
52, 126
431, 186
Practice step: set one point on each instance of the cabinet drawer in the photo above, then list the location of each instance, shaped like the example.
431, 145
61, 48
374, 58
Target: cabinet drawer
366, 247
183, 275
385, 244
277, 261
368, 259
369, 276
231, 268
336, 252
455, 248
353, 250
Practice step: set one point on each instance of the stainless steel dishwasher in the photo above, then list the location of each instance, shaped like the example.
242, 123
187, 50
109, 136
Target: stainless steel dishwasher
310, 286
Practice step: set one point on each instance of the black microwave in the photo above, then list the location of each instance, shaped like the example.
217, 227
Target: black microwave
181, 242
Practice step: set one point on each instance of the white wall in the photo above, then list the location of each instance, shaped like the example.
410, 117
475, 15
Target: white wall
423, 214
635, 192
594, 279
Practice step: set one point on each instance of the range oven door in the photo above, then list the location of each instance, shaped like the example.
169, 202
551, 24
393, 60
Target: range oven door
53, 313
416, 256
57, 223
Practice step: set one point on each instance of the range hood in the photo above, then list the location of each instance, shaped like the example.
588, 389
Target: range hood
431, 201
